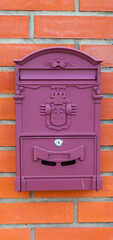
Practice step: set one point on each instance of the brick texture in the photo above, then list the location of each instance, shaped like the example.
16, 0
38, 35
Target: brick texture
74, 233
8, 189
7, 161
36, 213
107, 82
9, 52
65, 5
14, 233
107, 108
7, 108
106, 163
104, 52
7, 82
106, 134
101, 5
7, 135
95, 212
73, 27
14, 26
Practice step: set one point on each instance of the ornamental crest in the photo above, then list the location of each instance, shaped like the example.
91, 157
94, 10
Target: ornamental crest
58, 111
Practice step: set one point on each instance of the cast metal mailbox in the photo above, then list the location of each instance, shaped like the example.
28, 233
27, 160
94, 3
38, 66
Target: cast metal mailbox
58, 121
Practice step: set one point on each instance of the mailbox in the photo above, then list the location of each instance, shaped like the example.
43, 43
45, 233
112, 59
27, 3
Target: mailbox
58, 121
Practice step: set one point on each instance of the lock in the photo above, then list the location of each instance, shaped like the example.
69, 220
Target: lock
58, 142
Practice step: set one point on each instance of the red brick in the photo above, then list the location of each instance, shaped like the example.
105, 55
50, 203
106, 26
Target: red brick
95, 212
106, 163
8, 189
107, 82
107, 191
65, 5
51, 212
107, 108
7, 161
9, 52
7, 82
73, 27
104, 52
106, 134
14, 234
14, 26
7, 135
7, 108
74, 233
101, 5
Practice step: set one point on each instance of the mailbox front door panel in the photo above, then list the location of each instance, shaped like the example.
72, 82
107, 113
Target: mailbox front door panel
40, 157
58, 121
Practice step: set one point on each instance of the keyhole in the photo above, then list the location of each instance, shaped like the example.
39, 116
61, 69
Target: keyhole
58, 142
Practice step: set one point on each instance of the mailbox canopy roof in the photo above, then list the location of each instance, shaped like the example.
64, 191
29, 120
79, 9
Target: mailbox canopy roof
59, 50
58, 63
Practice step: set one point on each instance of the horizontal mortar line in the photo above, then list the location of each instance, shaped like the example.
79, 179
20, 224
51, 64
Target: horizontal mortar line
56, 40
106, 148
56, 225
106, 69
5, 174
34, 40
106, 173
40, 225
6, 95
11, 95
13, 122
10, 68
103, 69
56, 200
8, 148
36, 200
12, 174
95, 41
94, 199
97, 225
108, 95
7, 122
106, 121
55, 13
4, 68
78, 39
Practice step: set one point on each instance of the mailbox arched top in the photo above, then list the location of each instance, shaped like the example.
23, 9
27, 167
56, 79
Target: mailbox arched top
61, 50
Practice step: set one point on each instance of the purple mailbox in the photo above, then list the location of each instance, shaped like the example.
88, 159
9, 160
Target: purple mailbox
58, 121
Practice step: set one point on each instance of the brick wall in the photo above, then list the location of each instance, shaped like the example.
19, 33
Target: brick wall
26, 26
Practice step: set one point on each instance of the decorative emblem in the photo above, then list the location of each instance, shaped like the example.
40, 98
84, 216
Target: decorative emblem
58, 111
19, 95
97, 95
58, 63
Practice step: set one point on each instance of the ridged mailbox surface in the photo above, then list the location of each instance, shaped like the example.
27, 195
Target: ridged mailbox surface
58, 121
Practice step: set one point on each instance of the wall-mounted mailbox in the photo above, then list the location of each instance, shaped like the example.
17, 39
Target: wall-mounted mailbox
58, 121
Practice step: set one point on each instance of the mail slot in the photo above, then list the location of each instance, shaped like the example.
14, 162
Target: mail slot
58, 121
